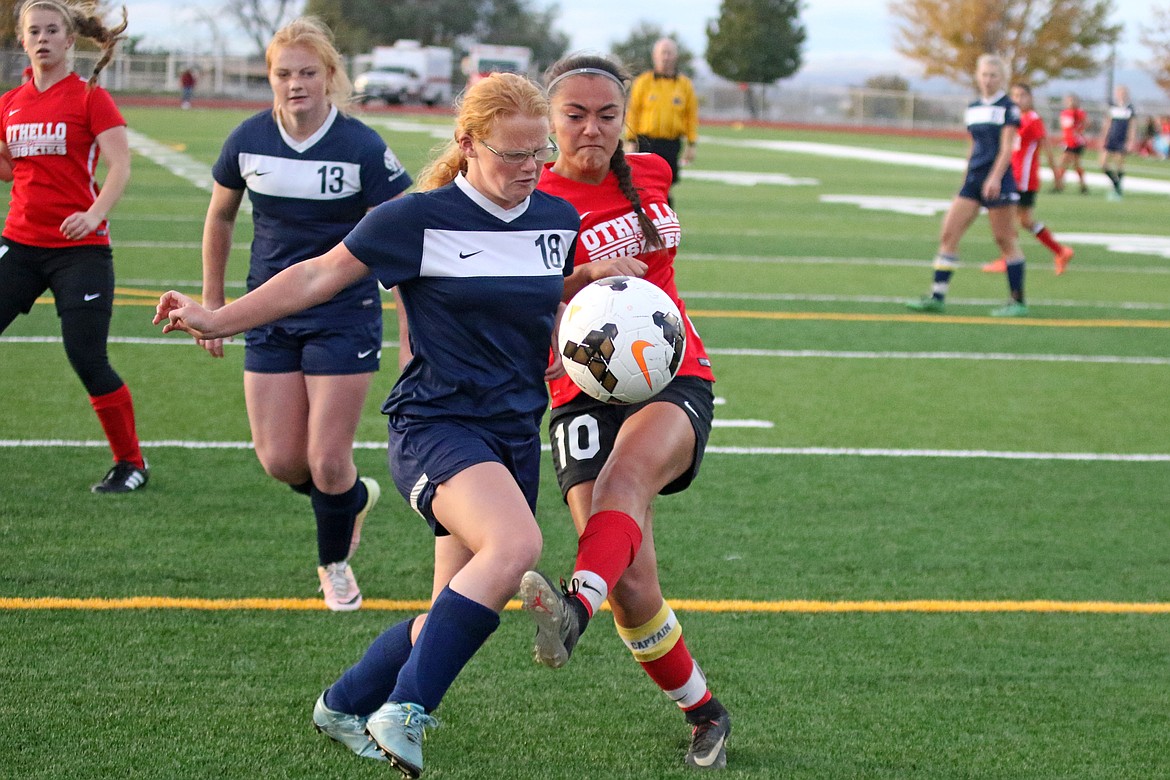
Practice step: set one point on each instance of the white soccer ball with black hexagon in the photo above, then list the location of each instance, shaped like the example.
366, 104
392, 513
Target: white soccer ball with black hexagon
621, 339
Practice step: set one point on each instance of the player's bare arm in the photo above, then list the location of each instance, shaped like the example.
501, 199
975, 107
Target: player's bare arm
294, 289
218, 228
5, 163
115, 148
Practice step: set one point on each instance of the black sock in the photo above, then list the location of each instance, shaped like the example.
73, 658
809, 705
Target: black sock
709, 711
305, 488
335, 516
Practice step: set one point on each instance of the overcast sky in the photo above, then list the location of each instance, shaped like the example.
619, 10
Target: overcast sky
848, 40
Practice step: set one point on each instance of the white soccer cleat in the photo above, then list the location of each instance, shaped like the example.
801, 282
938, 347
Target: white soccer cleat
340, 588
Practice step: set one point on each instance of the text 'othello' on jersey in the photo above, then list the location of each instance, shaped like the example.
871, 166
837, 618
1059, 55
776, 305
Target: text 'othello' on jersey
52, 139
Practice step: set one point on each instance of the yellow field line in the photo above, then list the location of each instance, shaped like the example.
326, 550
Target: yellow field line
688, 605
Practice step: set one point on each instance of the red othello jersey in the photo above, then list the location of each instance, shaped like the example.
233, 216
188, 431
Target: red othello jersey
1072, 126
52, 137
609, 229
1026, 154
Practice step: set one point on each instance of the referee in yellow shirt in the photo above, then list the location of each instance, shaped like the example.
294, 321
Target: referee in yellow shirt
663, 110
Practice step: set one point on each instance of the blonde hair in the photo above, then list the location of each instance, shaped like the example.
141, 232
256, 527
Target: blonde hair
315, 35
483, 104
82, 19
998, 61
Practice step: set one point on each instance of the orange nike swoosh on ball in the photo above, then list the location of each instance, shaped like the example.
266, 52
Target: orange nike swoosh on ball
638, 347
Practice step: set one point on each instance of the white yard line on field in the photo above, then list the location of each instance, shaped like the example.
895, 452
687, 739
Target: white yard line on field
889, 262
692, 295
913, 159
866, 452
1132, 360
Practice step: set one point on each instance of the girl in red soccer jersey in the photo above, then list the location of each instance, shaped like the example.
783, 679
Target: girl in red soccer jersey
612, 460
1031, 143
56, 236
1073, 121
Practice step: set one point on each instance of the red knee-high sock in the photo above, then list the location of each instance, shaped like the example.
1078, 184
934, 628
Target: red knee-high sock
1046, 238
115, 411
679, 677
659, 647
605, 550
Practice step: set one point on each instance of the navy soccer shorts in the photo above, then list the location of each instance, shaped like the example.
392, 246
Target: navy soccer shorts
973, 190
424, 453
347, 349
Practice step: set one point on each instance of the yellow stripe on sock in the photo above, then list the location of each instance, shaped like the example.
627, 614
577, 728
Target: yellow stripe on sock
654, 638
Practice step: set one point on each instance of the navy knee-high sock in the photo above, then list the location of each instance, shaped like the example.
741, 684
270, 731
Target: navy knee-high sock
455, 629
335, 516
1015, 275
366, 685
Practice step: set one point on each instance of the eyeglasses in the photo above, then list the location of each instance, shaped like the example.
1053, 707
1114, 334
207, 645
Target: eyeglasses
541, 155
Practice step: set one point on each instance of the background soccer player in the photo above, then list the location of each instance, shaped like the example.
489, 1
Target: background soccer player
1073, 122
56, 236
1117, 138
992, 121
311, 172
1031, 145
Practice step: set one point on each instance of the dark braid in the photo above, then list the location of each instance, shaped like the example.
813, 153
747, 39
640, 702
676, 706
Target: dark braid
621, 169
618, 164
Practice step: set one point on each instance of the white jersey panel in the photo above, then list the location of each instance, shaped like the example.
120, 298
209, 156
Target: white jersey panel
468, 254
281, 177
985, 115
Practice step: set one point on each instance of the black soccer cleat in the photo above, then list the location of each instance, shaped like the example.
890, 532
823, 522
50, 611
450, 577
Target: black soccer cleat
708, 748
124, 477
558, 626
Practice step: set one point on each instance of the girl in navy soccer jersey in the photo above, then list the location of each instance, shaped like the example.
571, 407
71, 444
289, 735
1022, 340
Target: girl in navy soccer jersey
56, 236
479, 258
311, 173
1118, 133
992, 122
613, 460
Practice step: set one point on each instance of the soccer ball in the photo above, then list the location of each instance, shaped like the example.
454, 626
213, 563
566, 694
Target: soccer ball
621, 339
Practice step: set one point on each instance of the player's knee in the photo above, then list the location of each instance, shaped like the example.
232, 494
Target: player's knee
331, 473
516, 552
95, 372
280, 466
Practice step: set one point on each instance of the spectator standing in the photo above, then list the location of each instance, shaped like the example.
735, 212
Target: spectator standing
187, 81
664, 111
